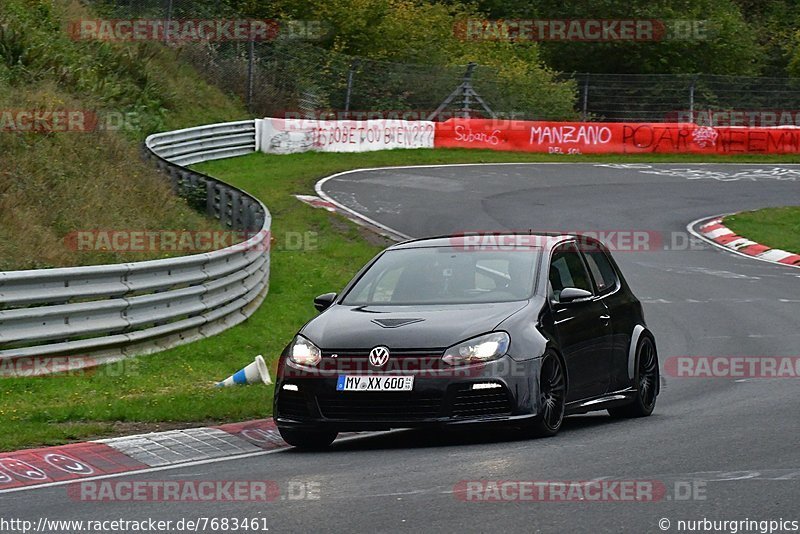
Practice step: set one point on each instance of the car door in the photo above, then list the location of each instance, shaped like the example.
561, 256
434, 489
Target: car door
583, 326
619, 304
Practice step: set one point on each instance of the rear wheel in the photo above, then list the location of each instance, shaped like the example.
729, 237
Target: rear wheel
307, 439
552, 397
646, 383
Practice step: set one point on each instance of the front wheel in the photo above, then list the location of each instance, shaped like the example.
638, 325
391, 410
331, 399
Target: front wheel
307, 439
646, 383
552, 398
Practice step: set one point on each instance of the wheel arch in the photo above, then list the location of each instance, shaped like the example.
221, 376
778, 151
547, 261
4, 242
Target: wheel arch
554, 349
640, 331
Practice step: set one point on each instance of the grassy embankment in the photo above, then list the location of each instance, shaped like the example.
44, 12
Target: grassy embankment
55, 183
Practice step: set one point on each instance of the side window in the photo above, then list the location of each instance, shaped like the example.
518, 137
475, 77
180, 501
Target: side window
567, 270
602, 271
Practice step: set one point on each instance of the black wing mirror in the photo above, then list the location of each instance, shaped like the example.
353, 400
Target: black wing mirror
323, 302
573, 294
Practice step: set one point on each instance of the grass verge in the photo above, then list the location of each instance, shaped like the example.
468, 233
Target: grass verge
773, 227
175, 388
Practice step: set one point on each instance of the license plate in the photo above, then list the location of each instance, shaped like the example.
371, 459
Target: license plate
374, 383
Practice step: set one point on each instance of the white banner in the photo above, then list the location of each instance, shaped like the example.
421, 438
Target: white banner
286, 136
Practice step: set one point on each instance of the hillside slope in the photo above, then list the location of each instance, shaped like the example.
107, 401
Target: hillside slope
54, 183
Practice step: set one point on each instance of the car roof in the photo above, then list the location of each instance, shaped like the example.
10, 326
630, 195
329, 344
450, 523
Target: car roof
546, 240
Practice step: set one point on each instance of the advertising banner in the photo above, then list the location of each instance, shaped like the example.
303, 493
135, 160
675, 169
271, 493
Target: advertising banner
286, 136
614, 138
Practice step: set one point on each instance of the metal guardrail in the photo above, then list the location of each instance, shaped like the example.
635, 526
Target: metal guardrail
84, 316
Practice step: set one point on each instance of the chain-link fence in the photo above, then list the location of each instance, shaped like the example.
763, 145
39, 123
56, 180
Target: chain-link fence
686, 97
292, 75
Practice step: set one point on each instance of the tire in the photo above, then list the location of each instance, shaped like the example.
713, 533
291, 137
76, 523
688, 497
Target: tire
552, 398
646, 381
307, 439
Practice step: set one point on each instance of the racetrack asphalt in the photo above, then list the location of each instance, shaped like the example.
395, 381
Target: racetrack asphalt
737, 442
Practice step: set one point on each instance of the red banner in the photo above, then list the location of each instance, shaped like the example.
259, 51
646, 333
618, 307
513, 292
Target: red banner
613, 137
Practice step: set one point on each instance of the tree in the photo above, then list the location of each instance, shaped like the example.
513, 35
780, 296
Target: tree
728, 46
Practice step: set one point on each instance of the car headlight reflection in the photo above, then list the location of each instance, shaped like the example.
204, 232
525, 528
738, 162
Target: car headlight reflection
478, 349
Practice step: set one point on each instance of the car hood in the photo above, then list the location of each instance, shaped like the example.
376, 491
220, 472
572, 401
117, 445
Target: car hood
409, 327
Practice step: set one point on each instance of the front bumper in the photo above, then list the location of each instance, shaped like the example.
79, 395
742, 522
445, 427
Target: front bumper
437, 399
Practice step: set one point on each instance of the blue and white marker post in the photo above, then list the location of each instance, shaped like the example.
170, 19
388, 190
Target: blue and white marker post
252, 374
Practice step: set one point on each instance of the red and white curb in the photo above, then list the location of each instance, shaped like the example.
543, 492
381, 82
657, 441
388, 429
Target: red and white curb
144, 452
715, 232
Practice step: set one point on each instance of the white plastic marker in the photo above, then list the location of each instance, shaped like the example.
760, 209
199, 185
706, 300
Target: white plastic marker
252, 374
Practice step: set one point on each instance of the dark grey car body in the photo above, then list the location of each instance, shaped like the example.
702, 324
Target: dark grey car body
594, 336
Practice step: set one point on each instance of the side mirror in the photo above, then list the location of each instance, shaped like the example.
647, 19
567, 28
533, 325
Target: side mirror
323, 302
573, 294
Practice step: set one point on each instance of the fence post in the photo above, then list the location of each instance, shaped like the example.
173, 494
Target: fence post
251, 53
585, 111
691, 98
467, 86
350, 75
169, 18
467, 94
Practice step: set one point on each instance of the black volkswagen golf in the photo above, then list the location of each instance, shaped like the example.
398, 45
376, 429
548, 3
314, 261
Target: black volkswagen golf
521, 329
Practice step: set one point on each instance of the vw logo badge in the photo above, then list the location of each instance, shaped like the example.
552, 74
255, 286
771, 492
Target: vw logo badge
379, 356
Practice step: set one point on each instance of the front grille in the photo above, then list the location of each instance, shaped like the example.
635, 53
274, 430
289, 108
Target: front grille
380, 406
480, 402
292, 404
400, 360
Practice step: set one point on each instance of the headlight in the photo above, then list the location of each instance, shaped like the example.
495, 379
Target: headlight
478, 349
304, 352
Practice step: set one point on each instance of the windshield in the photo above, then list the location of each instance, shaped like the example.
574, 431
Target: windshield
446, 275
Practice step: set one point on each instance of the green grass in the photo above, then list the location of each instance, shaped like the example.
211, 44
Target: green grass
176, 386
774, 227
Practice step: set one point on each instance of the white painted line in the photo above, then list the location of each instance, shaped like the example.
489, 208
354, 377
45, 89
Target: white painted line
322, 194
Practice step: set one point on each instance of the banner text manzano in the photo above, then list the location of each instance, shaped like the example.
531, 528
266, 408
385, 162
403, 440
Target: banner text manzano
611, 138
